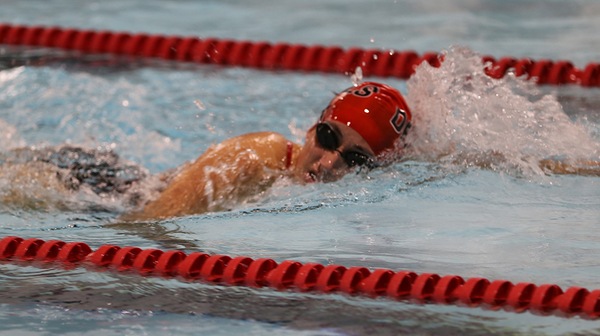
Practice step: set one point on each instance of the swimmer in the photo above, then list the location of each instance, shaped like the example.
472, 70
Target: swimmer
362, 128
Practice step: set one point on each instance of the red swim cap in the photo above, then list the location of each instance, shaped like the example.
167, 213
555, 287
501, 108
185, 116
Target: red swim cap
376, 111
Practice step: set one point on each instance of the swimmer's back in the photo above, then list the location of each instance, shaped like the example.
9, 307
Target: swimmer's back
41, 178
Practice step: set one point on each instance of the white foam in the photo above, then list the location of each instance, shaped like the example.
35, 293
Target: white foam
9, 136
461, 115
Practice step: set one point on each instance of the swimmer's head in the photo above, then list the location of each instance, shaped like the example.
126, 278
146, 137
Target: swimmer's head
376, 111
358, 126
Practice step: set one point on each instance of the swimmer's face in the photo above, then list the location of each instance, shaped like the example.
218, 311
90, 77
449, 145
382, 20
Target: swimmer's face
331, 150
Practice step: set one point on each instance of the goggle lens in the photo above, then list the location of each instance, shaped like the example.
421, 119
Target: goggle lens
329, 140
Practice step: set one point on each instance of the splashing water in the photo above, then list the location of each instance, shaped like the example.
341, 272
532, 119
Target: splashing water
462, 116
357, 77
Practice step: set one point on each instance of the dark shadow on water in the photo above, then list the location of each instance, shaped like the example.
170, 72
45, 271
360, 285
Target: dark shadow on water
16, 56
164, 233
301, 311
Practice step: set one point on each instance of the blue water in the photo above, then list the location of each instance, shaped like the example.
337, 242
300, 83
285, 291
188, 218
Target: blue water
434, 212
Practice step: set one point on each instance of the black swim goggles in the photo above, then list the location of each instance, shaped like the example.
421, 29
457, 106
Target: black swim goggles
329, 139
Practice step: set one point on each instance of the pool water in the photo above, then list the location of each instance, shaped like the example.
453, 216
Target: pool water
435, 211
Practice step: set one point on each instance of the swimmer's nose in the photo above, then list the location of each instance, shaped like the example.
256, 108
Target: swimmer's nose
329, 160
328, 165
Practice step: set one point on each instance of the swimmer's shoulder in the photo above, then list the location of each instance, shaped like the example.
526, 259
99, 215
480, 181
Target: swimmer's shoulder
273, 148
264, 138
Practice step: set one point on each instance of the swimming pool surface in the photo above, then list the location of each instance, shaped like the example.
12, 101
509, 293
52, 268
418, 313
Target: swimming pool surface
434, 212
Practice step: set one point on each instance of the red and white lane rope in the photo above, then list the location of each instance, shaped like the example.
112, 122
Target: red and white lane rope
292, 275
281, 56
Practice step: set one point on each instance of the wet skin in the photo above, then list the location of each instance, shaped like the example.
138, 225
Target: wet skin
317, 164
245, 166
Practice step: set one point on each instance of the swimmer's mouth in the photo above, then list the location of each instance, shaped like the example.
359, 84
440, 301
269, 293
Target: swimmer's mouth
310, 177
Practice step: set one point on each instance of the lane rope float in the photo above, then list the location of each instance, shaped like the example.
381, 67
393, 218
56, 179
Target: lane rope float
544, 299
282, 56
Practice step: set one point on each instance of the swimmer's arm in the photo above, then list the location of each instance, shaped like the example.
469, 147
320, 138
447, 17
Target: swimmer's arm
581, 167
224, 174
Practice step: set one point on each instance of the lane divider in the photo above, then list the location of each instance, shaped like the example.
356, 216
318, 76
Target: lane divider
282, 56
291, 275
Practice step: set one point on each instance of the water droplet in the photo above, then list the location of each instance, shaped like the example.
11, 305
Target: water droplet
199, 104
357, 76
